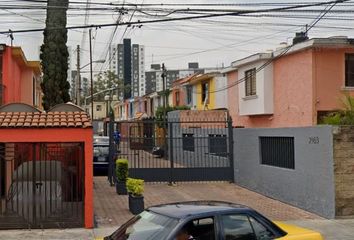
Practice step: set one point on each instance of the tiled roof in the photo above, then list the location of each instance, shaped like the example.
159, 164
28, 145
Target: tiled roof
44, 120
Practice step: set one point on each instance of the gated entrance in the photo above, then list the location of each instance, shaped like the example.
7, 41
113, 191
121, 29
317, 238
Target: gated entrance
178, 150
41, 185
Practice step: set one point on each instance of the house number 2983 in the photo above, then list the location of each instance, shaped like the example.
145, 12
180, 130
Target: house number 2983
314, 140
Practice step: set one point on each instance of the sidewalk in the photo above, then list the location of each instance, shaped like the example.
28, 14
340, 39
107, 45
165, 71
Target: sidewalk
55, 234
112, 209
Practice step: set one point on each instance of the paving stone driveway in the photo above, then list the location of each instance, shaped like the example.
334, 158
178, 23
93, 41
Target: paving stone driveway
112, 209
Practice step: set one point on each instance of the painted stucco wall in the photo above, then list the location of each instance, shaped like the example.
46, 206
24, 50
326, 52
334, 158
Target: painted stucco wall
18, 81
293, 94
26, 85
262, 102
329, 75
220, 92
309, 186
232, 96
11, 76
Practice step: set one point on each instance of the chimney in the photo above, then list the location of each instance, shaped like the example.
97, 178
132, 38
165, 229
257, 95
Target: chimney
300, 37
282, 45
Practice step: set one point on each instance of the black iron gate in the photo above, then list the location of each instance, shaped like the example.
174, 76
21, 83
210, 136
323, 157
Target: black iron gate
178, 150
41, 185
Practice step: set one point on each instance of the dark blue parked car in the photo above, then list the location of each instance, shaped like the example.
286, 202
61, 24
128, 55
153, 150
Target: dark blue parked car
100, 155
207, 220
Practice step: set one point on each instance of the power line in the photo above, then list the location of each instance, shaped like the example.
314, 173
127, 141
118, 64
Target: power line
285, 51
139, 22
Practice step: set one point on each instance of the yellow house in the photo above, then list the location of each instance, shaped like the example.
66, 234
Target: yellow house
208, 91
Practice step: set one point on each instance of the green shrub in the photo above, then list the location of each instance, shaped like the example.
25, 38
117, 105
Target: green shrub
332, 119
345, 116
135, 187
122, 169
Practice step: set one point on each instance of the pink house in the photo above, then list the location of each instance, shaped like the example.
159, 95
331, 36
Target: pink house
300, 85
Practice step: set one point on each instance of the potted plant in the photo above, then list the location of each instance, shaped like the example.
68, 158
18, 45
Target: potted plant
135, 189
121, 176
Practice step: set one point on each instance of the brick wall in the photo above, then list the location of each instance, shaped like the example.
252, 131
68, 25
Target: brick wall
343, 143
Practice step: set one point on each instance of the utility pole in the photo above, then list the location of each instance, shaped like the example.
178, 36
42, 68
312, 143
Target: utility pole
78, 78
164, 90
91, 75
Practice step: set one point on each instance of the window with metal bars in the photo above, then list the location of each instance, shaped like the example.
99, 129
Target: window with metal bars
250, 82
218, 145
188, 142
277, 151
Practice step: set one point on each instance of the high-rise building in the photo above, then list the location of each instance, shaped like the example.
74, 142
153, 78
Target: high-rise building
113, 58
138, 71
128, 62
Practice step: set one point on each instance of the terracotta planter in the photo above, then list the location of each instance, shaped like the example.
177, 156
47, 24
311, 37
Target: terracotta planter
136, 204
121, 188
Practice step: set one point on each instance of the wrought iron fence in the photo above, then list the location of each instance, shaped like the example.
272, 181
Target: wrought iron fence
41, 185
177, 150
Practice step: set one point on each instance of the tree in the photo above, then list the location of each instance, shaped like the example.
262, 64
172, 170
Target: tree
107, 80
342, 117
54, 55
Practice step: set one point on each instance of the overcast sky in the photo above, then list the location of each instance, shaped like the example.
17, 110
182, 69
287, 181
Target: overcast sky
213, 42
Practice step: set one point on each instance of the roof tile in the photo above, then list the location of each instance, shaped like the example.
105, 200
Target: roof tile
19, 124
43, 119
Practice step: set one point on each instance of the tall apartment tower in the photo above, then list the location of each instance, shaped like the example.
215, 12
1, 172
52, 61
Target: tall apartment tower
138, 70
112, 56
131, 69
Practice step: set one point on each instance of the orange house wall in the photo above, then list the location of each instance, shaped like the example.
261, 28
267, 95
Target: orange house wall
27, 86
293, 94
11, 77
330, 78
17, 80
61, 135
232, 97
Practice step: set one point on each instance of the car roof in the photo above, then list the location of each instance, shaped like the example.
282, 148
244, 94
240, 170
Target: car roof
182, 210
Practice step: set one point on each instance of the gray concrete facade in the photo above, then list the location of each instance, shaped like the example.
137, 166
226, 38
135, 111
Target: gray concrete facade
309, 186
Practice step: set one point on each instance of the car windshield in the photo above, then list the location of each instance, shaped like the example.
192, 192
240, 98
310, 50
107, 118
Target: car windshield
101, 151
146, 226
